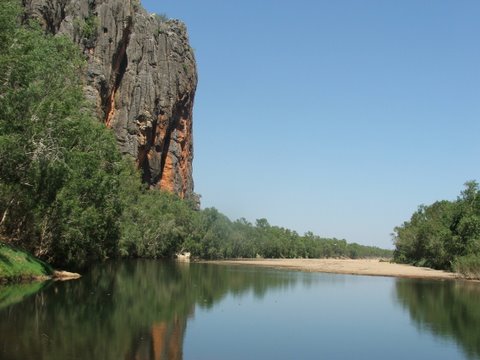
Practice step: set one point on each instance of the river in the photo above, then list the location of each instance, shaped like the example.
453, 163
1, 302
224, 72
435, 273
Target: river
147, 309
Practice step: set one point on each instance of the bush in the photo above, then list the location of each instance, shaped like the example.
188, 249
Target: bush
87, 29
161, 18
468, 266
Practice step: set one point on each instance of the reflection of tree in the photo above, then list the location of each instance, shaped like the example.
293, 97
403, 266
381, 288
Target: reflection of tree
127, 310
448, 309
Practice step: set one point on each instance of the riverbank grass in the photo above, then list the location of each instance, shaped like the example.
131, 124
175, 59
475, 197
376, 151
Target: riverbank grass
17, 265
468, 266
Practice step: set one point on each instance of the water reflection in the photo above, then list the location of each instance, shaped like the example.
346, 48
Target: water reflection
127, 310
447, 309
164, 340
12, 294
140, 310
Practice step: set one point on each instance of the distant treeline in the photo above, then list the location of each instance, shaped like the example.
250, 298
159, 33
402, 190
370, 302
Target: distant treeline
66, 194
444, 235
160, 225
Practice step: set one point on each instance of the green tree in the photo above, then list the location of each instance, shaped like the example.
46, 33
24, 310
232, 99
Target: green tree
58, 166
438, 234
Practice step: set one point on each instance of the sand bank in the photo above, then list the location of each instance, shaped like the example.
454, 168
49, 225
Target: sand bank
372, 267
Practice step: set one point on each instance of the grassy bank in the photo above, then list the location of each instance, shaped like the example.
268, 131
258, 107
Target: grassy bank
17, 265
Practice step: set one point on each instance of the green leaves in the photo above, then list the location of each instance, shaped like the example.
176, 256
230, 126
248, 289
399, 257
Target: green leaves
59, 168
438, 234
154, 224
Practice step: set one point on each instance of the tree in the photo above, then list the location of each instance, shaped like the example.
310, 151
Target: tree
438, 234
58, 166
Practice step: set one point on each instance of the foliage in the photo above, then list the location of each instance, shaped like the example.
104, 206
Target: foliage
468, 266
158, 224
90, 27
58, 166
154, 223
87, 29
438, 234
9, 11
136, 5
161, 18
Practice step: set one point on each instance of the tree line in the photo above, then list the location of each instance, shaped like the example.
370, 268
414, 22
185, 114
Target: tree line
444, 235
160, 224
68, 196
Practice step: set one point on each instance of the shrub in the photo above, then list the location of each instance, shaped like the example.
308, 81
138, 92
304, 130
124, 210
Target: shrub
161, 18
468, 266
87, 29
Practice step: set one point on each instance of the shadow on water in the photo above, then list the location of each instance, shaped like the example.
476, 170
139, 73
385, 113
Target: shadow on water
447, 309
125, 310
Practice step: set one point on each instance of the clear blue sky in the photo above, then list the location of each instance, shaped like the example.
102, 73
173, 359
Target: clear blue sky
339, 117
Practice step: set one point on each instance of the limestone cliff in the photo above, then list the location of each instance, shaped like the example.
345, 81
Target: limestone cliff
141, 76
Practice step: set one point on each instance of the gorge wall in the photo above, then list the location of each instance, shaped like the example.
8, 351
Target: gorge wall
141, 76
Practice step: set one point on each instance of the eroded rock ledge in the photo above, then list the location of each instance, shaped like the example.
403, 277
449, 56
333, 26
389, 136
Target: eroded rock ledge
141, 76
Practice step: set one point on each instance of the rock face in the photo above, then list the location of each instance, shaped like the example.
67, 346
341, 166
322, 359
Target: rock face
141, 76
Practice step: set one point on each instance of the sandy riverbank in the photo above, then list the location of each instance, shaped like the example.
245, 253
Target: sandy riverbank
372, 267
57, 275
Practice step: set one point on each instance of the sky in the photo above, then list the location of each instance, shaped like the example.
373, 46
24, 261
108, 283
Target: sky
337, 117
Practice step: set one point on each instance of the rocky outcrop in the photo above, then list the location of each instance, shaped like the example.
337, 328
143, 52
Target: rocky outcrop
141, 76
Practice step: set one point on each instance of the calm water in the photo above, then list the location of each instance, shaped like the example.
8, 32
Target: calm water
158, 310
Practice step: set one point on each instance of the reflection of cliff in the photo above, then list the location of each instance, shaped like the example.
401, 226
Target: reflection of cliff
168, 343
163, 341
447, 309
128, 310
